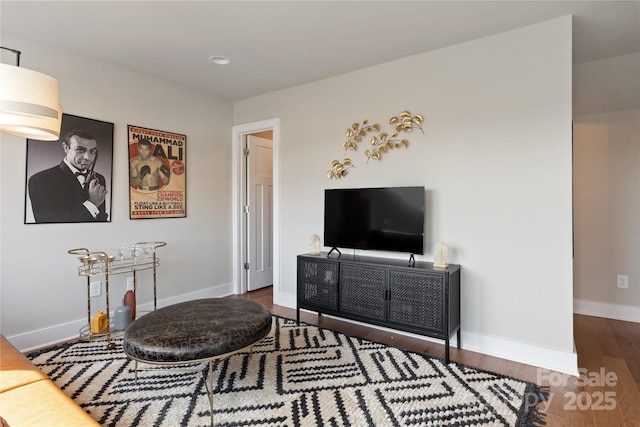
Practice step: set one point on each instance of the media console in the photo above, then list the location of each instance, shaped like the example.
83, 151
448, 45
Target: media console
420, 299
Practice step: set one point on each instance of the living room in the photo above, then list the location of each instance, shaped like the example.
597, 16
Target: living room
496, 159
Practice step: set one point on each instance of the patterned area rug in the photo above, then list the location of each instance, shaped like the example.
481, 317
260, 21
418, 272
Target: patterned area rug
299, 375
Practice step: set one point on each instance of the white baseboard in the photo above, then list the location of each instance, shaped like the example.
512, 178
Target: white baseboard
610, 311
529, 354
68, 331
565, 362
542, 357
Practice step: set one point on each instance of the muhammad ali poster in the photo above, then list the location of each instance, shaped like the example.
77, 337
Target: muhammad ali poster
69, 180
157, 174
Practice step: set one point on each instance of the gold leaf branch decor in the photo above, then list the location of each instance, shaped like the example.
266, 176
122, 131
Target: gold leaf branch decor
354, 135
379, 144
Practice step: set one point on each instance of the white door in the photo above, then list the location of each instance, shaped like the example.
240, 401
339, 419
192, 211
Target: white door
259, 218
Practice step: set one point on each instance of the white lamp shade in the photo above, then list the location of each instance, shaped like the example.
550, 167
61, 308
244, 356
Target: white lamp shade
29, 105
44, 129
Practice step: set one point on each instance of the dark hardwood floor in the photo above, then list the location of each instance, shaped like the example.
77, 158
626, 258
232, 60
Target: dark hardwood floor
606, 395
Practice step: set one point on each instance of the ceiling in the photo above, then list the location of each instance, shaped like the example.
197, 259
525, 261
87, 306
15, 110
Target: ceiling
274, 45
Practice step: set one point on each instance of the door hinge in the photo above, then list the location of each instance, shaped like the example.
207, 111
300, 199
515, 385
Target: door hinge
245, 209
245, 151
246, 265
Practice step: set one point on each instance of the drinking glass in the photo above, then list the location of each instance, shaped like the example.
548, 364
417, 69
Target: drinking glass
120, 251
135, 253
147, 250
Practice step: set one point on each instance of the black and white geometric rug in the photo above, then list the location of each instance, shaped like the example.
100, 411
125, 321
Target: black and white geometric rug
299, 375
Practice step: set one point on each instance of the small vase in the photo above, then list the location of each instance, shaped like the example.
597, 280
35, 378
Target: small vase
130, 301
123, 317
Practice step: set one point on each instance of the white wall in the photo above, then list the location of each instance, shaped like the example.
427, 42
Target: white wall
607, 214
42, 297
495, 160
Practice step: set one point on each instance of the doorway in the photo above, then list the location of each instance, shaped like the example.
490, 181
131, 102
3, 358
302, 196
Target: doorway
255, 205
258, 210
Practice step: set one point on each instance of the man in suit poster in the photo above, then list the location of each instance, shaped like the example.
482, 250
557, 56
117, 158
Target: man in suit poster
70, 180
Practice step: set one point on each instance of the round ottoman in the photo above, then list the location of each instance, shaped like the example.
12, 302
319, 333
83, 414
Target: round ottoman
197, 331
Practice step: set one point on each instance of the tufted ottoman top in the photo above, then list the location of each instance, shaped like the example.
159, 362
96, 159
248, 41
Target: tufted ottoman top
196, 330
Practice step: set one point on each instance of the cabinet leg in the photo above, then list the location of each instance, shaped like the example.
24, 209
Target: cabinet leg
446, 351
458, 338
298, 315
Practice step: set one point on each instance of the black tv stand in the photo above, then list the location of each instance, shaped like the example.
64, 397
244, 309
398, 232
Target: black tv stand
420, 299
334, 249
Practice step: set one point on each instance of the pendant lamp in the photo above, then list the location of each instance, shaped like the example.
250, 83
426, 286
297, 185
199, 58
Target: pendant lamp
29, 105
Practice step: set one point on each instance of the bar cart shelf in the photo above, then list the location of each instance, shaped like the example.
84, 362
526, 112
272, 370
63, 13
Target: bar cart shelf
141, 256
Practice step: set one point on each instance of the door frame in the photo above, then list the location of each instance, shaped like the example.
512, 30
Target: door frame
238, 171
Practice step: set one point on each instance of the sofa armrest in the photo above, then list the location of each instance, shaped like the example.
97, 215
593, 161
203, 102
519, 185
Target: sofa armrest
42, 404
29, 398
15, 369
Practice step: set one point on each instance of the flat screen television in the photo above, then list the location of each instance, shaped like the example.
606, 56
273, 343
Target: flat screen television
386, 219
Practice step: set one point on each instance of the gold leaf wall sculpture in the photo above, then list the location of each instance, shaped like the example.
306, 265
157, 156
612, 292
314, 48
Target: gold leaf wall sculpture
379, 144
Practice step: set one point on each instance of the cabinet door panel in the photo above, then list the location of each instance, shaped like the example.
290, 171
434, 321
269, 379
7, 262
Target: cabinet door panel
318, 283
417, 299
362, 290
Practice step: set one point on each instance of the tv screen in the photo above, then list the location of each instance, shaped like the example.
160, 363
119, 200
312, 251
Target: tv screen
387, 219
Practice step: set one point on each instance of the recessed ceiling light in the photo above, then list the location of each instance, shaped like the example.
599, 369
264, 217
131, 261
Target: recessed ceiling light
220, 60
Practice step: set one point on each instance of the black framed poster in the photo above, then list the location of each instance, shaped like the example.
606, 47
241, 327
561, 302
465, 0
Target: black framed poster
69, 180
